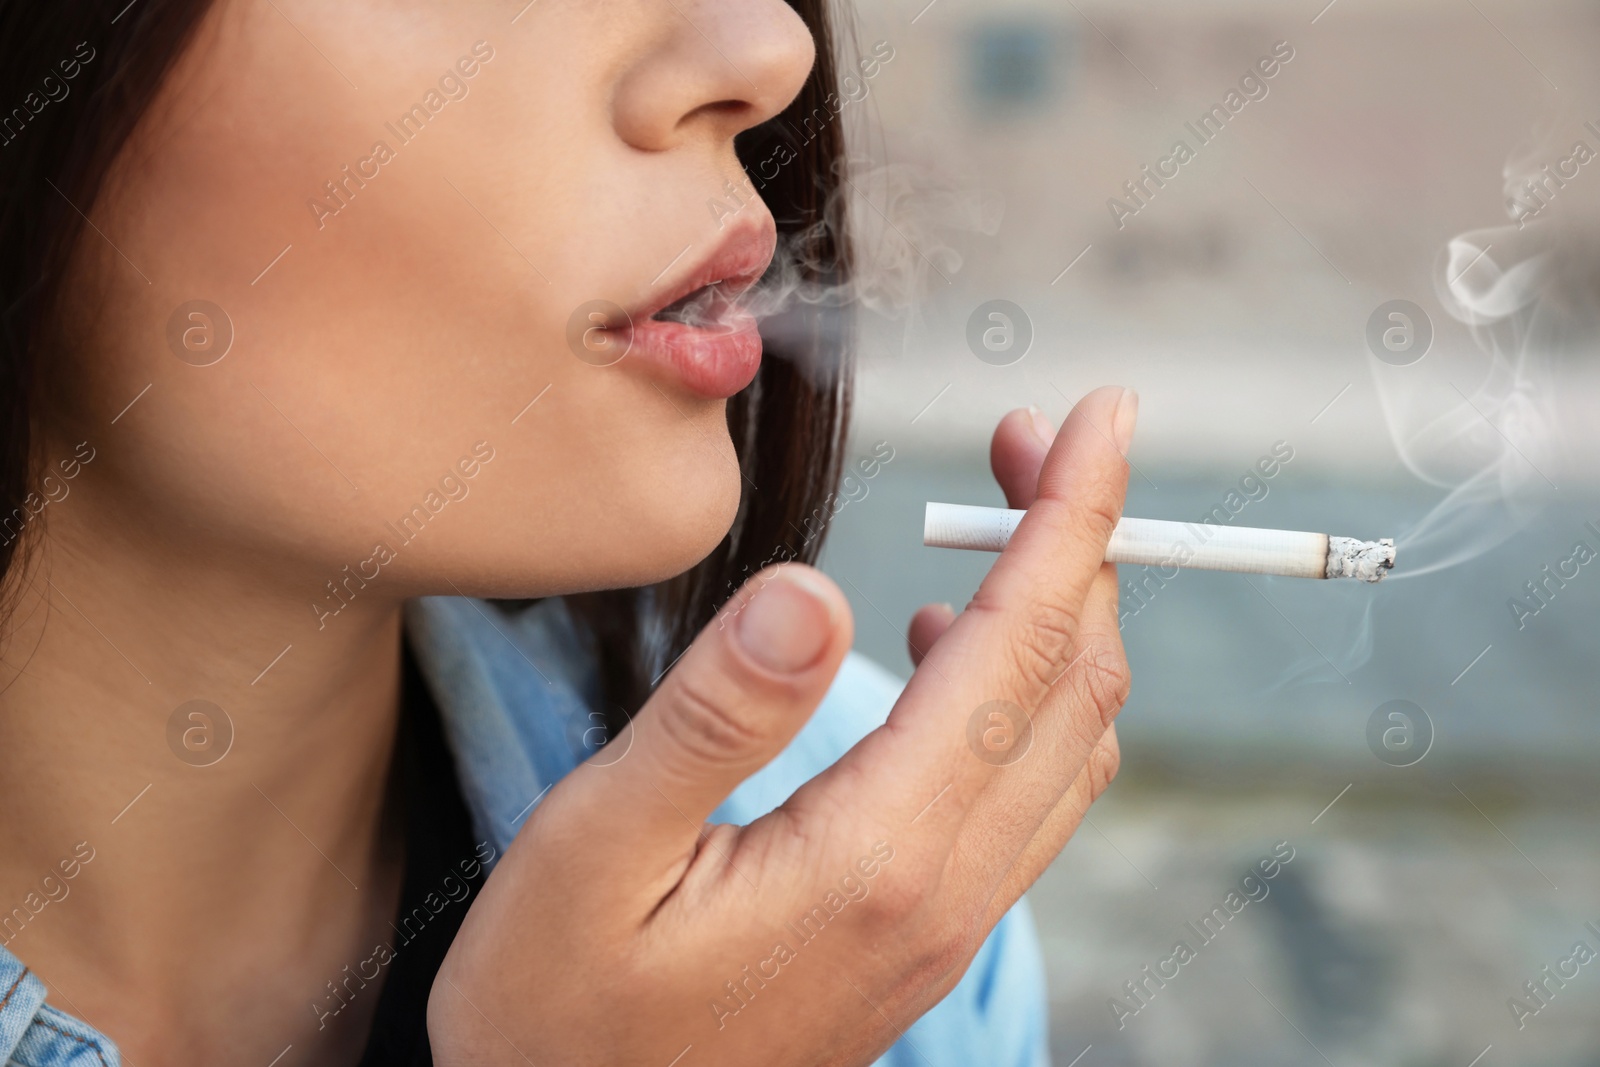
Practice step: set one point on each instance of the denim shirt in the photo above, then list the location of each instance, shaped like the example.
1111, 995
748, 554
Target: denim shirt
517, 695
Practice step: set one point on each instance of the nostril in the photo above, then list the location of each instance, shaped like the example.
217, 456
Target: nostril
738, 114
735, 65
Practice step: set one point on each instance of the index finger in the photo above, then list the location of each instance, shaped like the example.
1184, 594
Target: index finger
1039, 584
1016, 637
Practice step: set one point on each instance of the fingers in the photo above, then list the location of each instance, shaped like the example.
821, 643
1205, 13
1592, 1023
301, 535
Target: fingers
927, 624
1011, 644
1059, 826
1036, 589
733, 701
1017, 452
1027, 813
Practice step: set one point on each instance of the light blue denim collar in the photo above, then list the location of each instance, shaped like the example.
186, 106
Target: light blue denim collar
516, 692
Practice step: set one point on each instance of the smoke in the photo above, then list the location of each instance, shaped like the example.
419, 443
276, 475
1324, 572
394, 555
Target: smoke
1488, 429
1495, 446
1341, 634
902, 224
1530, 293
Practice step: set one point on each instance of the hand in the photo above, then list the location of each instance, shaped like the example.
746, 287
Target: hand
617, 921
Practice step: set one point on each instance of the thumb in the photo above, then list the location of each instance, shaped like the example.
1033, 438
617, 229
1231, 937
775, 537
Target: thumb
739, 694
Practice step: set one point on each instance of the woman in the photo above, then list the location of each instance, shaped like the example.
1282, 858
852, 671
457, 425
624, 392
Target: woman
325, 322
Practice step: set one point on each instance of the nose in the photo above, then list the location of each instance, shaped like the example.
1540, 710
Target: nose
720, 66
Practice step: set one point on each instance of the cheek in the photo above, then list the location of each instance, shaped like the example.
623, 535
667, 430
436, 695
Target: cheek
374, 349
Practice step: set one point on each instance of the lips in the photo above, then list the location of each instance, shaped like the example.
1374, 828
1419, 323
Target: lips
692, 324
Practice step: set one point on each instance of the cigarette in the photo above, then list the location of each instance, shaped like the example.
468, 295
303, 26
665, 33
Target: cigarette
1201, 546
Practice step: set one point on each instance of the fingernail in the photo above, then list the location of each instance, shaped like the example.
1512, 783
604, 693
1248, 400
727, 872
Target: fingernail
788, 623
1041, 426
1122, 423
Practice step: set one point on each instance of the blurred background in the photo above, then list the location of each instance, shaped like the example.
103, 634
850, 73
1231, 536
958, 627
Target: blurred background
1445, 847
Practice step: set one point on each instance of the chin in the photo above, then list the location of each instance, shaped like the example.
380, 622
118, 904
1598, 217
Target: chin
654, 525
648, 544
685, 523
672, 510
645, 508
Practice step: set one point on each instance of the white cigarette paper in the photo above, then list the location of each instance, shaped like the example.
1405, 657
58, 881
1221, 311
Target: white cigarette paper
1159, 543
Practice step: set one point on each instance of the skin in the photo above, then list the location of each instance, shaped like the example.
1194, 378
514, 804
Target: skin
659, 912
367, 362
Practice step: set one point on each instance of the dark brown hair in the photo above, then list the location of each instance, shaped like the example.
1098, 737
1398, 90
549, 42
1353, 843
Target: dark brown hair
59, 138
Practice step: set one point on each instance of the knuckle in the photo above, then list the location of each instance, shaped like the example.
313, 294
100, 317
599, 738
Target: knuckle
1105, 682
706, 725
1091, 512
896, 902
1104, 763
948, 946
1100, 511
1039, 649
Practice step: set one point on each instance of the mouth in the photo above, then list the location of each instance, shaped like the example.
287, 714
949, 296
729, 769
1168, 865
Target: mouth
707, 292
705, 308
696, 327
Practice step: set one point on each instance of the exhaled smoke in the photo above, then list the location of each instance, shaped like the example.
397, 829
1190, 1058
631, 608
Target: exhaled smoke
901, 223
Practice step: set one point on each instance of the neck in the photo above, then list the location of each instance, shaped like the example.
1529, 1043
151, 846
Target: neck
207, 850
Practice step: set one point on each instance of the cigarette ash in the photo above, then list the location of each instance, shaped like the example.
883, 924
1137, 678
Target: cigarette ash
1366, 560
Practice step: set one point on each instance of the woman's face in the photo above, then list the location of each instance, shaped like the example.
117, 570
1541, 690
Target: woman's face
404, 211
